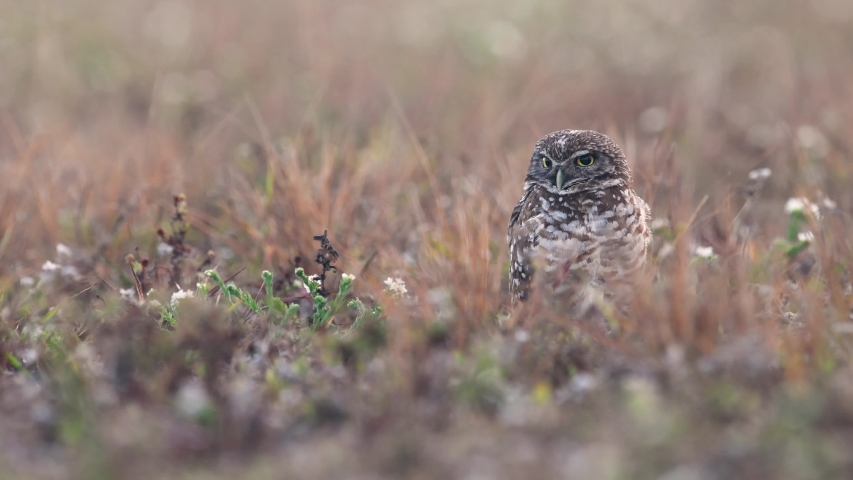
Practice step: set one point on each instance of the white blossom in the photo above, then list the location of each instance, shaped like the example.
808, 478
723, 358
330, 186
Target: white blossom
805, 236
760, 174
27, 281
311, 279
396, 286
62, 250
180, 295
164, 249
49, 271
128, 294
347, 276
800, 204
704, 252
50, 267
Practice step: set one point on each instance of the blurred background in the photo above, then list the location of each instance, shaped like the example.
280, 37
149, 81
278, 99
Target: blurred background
105, 101
405, 128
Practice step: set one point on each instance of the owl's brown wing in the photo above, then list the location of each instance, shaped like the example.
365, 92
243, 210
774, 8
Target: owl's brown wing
520, 213
522, 239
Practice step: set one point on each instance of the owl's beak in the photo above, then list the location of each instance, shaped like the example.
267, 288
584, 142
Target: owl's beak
560, 179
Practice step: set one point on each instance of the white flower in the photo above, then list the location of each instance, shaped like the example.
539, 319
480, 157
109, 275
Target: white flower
828, 203
347, 276
62, 250
795, 205
800, 204
164, 249
49, 271
50, 267
180, 295
805, 236
128, 294
704, 252
396, 286
759, 174
27, 281
311, 279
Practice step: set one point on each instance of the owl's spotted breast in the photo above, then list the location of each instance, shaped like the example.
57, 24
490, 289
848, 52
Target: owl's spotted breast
593, 229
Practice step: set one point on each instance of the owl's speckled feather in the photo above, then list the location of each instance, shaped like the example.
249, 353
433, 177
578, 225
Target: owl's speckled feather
593, 228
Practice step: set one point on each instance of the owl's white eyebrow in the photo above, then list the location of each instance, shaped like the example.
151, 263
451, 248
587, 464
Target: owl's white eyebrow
579, 153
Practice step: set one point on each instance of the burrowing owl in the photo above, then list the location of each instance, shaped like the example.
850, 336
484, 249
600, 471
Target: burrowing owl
578, 213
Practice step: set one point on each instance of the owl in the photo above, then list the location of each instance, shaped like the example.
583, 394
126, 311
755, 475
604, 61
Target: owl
578, 218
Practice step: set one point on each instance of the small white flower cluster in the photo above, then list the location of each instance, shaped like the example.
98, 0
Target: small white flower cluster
760, 174
62, 250
312, 278
164, 249
347, 276
50, 267
801, 204
129, 295
50, 271
704, 252
805, 236
180, 295
396, 287
805, 206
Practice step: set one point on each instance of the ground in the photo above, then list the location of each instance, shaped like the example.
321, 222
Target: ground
184, 184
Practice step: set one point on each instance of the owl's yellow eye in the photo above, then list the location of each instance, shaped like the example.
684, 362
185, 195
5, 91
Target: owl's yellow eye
585, 160
546, 162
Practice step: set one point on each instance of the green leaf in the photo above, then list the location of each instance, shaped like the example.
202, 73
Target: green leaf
14, 361
268, 284
53, 311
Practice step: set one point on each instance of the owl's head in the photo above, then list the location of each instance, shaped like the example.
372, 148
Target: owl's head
576, 160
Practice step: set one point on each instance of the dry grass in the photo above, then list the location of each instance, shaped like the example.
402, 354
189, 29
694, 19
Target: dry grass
404, 129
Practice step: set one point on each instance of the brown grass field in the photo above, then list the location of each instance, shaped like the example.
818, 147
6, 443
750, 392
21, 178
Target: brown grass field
143, 143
